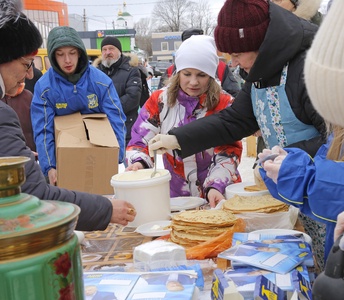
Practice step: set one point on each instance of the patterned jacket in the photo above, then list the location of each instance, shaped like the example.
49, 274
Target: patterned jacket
193, 175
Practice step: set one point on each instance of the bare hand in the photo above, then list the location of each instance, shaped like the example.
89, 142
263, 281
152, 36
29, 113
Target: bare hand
122, 212
214, 197
52, 175
134, 167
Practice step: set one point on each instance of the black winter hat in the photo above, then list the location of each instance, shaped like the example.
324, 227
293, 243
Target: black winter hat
190, 32
111, 40
18, 35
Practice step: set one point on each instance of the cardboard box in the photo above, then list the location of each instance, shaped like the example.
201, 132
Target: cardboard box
86, 153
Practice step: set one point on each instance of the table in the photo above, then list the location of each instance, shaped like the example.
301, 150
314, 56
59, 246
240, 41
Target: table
112, 250
109, 248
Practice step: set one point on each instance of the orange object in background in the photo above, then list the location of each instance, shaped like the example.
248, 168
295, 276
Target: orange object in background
41, 7
212, 248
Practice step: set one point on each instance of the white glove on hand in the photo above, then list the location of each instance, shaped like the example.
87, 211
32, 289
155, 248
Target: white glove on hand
162, 143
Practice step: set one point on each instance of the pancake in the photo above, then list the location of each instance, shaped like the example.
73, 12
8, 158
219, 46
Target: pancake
264, 204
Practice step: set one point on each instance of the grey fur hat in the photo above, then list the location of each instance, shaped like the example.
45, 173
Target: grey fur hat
18, 35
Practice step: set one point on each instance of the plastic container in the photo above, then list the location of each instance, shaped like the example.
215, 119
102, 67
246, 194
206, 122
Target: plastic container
158, 254
149, 196
239, 189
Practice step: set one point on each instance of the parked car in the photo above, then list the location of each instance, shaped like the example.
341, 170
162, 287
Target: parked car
153, 65
161, 67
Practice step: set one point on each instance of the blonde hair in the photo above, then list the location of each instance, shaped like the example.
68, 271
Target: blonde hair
335, 149
213, 92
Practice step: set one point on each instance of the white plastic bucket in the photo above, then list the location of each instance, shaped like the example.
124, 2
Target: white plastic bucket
149, 196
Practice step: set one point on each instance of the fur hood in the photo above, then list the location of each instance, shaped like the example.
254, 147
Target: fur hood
307, 8
134, 60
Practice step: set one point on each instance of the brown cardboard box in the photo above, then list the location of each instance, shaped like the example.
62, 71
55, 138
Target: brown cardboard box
86, 153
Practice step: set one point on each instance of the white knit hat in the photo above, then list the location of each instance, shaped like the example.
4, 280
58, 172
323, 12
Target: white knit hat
324, 66
198, 52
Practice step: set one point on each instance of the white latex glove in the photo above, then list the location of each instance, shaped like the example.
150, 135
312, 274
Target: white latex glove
162, 143
339, 229
272, 167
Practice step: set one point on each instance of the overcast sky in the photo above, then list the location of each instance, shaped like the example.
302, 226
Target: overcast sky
101, 13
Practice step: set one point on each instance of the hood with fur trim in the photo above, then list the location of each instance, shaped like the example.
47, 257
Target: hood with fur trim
134, 60
307, 9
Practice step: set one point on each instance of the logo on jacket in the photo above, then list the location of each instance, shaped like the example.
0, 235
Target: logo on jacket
61, 105
92, 101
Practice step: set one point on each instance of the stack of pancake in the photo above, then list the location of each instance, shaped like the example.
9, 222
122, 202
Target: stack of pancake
192, 227
254, 204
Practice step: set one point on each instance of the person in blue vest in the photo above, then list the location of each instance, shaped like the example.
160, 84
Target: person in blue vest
269, 44
223, 73
316, 184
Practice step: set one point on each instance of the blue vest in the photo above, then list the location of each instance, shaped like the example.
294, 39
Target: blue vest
276, 119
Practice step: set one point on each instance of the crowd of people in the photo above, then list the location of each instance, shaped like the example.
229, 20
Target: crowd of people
292, 67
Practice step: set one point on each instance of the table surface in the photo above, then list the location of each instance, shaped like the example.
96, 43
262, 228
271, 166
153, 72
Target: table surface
112, 250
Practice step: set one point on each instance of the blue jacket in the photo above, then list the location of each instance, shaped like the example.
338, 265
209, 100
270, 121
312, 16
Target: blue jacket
54, 96
314, 185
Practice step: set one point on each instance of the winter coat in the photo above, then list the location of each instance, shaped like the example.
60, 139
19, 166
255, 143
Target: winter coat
127, 80
96, 210
88, 91
316, 187
286, 41
194, 175
21, 105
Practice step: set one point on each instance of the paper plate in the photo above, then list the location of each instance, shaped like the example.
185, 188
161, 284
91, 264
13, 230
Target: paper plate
239, 189
155, 228
183, 203
276, 232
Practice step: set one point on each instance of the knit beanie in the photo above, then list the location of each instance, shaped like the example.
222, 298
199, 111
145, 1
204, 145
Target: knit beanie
242, 25
111, 40
324, 66
198, 52
18, 35
190, 32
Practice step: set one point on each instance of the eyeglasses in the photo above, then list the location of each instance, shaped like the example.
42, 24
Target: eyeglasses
28, 65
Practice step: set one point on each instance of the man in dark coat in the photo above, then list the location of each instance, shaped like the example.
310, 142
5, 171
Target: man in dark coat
125, 76
16, 65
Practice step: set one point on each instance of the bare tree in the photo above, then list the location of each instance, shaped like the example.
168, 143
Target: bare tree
171, 15
143, 27
202, 17
143, 37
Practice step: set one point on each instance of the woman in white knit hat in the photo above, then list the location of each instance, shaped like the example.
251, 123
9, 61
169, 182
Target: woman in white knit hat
193, 93
316, 185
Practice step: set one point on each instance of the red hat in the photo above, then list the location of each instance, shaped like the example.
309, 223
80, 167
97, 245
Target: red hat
242, 25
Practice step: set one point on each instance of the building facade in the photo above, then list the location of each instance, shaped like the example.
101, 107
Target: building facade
46, 15
49, 14
164, 45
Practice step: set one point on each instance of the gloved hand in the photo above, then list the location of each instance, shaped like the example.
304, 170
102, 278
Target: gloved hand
162, 143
